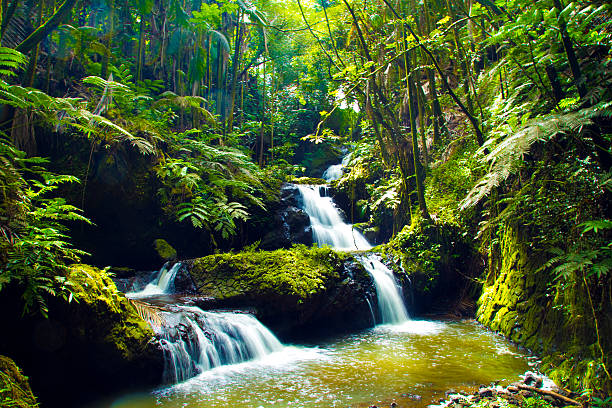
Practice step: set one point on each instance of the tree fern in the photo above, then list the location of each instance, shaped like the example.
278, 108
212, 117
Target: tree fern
505, 157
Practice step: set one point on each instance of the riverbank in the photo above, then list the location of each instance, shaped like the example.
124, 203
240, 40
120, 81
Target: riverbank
533, 390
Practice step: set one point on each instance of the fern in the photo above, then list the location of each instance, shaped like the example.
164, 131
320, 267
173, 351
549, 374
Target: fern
506, 158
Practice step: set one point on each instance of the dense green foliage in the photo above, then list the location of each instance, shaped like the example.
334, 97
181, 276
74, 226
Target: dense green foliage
486, 122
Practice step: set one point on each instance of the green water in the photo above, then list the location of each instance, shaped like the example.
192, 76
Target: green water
412, 364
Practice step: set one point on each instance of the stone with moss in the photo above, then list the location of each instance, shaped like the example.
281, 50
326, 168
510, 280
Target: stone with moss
435, 259
307, 180
15, 389
292, 289
164, 250
528, 305
92, 343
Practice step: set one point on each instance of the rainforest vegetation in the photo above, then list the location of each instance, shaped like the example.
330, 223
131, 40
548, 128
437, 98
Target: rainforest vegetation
481, 122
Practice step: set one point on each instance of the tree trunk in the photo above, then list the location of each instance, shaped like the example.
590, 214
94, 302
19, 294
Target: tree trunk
42, 31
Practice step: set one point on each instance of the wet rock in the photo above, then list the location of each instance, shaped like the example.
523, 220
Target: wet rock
296, 292
291, 224
485, 392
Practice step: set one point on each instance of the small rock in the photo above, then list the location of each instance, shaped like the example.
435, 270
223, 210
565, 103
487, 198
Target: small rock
485, 392
393, 405
525, 393
513, 389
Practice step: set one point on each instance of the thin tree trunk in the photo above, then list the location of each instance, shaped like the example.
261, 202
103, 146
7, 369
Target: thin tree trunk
109, 40
141, 49
235, 63
42, 31
263, 116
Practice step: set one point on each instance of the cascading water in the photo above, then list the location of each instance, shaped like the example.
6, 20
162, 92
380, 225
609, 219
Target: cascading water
330, 229
198, 341
194, 341
335, 171
327, 225
388, 292
162, 284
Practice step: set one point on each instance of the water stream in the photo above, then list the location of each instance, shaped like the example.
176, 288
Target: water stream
413, 364
224, 359
194, 341
329, 228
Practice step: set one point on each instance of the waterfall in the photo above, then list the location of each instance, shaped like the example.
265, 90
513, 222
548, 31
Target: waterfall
329, 229
195, 341
335, 171
162, 284
388, 292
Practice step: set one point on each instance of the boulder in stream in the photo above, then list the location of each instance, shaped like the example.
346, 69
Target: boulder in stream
296, 292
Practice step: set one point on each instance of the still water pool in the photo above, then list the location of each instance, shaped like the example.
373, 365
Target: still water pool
412, 364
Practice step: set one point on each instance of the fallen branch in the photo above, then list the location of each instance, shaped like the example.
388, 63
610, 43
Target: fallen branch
551, 393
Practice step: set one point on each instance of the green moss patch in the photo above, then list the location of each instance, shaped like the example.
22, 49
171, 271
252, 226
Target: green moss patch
104, 315
300, 272
550, 317
14, 386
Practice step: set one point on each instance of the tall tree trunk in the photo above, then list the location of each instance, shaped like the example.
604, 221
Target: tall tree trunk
109, 39
263, 116
42, 31
141, 49
28, 78
235, 64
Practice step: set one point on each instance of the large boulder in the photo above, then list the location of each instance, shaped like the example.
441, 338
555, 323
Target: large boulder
296, 292
91, 345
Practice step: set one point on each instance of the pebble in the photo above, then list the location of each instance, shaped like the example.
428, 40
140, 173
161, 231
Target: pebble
485, 392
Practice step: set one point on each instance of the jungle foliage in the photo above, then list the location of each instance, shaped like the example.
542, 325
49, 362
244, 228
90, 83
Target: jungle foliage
462, 115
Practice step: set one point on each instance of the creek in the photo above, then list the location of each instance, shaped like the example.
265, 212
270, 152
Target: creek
229, 359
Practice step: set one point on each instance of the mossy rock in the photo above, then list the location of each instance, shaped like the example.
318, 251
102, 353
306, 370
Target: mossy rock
291, 289
114, 320
307, 180
15, 389
554, 320
92, 344
435, 259
164, 250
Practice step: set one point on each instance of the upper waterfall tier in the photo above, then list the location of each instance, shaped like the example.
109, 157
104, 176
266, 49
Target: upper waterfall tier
328, 227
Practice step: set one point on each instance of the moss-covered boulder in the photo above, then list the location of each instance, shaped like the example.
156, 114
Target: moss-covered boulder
91, 345
553, 319
307, 180
294, 291
15, 389
164, 250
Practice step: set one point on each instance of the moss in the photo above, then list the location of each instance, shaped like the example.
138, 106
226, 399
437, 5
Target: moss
300, 272
165, 251
548, 316
306, 180
105, 314
15, 389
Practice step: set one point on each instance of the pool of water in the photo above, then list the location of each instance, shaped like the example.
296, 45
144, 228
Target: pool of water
412, 364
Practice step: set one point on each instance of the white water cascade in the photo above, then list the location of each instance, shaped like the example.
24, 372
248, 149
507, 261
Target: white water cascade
162, 284
335, 171
194, 341
198, 341
388, 292
330, 229
327, 225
